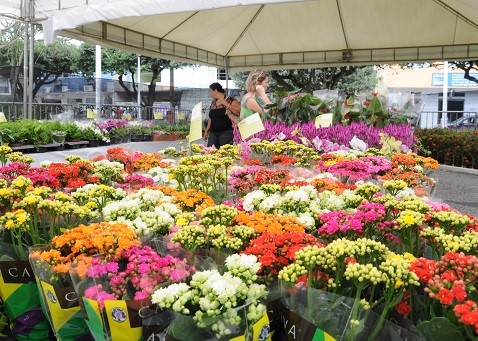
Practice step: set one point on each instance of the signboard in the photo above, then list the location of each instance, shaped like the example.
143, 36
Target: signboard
250, 125
91, 114
195, 129
323, 120
454, 79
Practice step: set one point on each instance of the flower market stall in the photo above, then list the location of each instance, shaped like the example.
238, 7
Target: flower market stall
312, 234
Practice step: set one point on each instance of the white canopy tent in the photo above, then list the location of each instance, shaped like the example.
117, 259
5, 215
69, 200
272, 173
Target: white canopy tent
245, 34
269, 34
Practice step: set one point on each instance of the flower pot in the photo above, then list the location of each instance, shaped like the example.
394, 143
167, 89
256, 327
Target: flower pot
93, 143
166, 137
115, 140
58, 138
136, 138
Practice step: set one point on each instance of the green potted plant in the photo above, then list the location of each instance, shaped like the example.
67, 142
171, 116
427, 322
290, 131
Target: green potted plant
6, 136
41, 134
73, 132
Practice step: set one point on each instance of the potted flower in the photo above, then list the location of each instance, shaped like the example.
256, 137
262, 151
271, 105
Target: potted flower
59, 136
6, 136
73, 132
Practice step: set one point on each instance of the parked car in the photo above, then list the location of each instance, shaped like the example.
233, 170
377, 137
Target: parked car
466, 122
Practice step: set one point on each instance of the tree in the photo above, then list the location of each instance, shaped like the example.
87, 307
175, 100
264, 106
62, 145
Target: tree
467, 67
50, 61
122, 63
347, 78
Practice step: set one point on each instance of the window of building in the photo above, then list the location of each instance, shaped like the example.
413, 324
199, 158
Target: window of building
221, 74
4, 86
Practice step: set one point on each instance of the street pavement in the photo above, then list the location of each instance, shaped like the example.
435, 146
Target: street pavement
457, 187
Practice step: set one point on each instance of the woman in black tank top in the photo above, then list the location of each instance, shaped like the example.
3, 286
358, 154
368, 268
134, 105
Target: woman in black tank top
219, 126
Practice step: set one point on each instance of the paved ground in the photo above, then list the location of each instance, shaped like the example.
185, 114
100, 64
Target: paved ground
456, 186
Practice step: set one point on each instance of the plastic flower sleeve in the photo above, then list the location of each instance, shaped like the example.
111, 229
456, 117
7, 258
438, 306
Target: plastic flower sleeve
59, 299
231, 325
109, 318
21, 300
311, 314
201, 260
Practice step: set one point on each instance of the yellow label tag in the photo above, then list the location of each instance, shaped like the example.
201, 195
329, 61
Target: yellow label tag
195, 128
119, 321
261, 329
2, 117
59, 316
250, 126
6, 289
91, 114
324, 120
158, 116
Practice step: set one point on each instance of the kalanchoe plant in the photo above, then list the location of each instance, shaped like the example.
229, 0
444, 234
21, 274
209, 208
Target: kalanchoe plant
294, 107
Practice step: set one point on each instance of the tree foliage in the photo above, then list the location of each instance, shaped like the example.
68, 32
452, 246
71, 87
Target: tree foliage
121, 63
348, 78
50, 61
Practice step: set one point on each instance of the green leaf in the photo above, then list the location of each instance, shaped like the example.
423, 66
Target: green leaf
440, 329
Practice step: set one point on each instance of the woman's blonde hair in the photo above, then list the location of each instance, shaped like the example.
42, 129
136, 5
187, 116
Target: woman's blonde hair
255, 77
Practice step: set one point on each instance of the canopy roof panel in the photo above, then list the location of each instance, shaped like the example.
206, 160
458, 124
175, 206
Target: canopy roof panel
271, 34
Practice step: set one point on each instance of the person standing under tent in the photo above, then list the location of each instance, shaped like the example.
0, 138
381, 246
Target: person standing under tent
255, 100
219, 129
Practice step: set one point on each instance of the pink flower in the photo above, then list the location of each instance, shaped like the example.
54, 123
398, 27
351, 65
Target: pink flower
140, 295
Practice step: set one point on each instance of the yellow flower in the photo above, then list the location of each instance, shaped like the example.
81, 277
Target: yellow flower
9, 224
398, 283
181, 222
408, 219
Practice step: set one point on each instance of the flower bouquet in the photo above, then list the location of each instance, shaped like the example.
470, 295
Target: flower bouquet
365, 274
116, 293
51, 265
35, 216
215, 306
20, 298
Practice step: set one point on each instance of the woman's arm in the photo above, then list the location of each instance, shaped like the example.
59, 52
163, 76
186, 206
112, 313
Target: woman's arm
208, 128
262, 94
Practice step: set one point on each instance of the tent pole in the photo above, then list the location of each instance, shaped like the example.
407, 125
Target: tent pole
139, 86
226, 70
31, 68
25, 68
98, 73
444, 108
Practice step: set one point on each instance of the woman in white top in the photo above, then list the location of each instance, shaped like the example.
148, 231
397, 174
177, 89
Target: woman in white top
255, 99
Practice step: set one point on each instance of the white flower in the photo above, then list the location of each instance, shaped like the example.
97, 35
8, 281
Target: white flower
172, 291
46, 163
270, 203
358, 144
253, 198
307, 220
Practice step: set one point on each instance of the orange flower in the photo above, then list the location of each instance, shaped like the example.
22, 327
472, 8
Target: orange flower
147, 161
268, 223
109, 239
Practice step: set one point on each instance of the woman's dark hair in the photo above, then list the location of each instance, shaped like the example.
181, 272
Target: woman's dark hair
216, 86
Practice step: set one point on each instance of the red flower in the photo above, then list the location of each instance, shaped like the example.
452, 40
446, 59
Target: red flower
449, 275
459, 292
445, 296
403, 308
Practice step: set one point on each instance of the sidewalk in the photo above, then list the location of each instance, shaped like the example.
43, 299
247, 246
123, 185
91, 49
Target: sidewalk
457, 187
